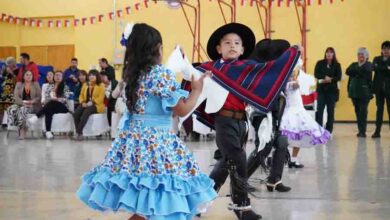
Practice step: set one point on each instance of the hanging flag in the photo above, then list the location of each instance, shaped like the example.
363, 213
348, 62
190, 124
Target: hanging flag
270, 3
252, 2
32, 23
331, 1
288, 2
10, 18
280, 3
25, 21
128, 10
319, 2
146, 3
111, 15
137, 6
50, 23
119, 13
83, 21
3, 17
308, 2
92, 19
17, 20
100, 18
242, 2
58, 23
66, 23
39, 23
76, 22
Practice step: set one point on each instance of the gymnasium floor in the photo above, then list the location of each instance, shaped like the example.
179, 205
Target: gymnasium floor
347, 179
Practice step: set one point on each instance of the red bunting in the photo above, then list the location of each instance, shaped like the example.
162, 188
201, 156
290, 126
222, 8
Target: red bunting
39, 23
128, 10
119, 13
32, 23
58, 23
111, 15
92, 19
76, 22
66, 23
83, 21
100, 18
137, 6
50, 23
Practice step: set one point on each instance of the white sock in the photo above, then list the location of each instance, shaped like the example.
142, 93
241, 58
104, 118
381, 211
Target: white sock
294, 159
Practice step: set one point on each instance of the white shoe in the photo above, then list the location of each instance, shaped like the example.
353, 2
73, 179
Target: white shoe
49, 135
33, 120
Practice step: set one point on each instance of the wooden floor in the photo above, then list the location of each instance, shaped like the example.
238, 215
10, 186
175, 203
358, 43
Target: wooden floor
347, 179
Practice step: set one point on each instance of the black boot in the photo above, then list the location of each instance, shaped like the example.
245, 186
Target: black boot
295, 165
244, 211
377, 134
247, 215
277, 185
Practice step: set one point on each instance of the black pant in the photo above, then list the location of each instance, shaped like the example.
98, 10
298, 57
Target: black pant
81, 116
279, 142
361, 111
380, 99
230, 138
51, 108
328, 100
110, 108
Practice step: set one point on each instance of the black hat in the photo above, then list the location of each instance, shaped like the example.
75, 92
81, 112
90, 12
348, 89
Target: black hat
246, 34
268, 49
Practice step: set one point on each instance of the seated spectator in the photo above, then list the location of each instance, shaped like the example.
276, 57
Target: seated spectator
27, 65
56, 103
27, 96
91, 101
47, 87
8, 82
81, 80
107, 69
71, 75
110, 85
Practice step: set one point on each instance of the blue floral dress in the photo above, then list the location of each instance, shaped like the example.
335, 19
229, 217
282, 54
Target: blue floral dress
148, 170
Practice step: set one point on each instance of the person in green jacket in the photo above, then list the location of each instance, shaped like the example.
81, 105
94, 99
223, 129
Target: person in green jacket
328, 72
360, 88
381, 86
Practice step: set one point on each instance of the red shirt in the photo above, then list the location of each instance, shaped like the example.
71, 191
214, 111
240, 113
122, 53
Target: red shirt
233, 103
32, 67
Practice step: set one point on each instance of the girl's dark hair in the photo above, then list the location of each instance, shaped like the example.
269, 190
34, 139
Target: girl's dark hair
142, 52
60, 88
385, 44
97, 74
24, 73
46, 81
82, 72
331, 49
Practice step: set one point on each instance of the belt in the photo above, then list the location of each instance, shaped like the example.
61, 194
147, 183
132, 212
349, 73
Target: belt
238, 115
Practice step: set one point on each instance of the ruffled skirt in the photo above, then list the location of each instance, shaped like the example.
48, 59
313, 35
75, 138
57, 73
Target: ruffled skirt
148, 172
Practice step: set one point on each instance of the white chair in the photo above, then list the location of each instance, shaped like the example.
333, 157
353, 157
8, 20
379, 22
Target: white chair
97, 124
37, 127
115, 118
5, 118
62, 122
